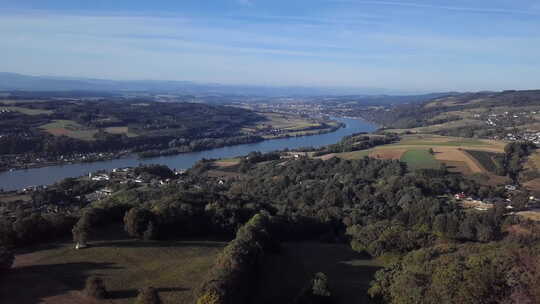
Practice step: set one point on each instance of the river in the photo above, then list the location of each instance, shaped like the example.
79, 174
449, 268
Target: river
48, 175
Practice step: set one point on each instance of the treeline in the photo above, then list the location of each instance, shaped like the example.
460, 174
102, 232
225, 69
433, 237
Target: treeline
356, 142
515, 155
234, 276
152, 126
184, 146
415, 115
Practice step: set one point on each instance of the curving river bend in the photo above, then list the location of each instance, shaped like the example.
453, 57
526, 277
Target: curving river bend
48, 175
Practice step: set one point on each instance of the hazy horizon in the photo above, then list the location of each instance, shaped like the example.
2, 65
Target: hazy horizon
416, 46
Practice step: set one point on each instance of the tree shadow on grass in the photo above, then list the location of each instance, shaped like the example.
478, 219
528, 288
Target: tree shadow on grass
132, 293
284, 275
31, 284
149, 244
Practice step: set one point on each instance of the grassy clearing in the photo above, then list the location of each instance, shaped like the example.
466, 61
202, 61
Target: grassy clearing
27, 111
283, 121
353, 155
63, 124
420, 159
69, 128
120, 130
55, 274
285, 274
434, 128
441, 141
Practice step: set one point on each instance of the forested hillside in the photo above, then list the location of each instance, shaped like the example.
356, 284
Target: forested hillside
483, 114
431, 246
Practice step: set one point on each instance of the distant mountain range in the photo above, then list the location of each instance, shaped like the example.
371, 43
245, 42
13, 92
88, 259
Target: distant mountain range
12, 81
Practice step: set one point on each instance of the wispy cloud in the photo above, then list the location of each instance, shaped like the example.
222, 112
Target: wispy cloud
363, 47
489, 10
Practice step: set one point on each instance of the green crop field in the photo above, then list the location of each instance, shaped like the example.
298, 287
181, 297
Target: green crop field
286, 273
420, 159
55, 274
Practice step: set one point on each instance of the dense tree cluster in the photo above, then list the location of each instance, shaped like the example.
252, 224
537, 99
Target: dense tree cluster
31, 228
234, 275
378, 206
357, 142
515, 156
502, 272
182, 127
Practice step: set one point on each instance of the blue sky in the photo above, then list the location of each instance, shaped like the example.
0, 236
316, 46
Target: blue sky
403, 45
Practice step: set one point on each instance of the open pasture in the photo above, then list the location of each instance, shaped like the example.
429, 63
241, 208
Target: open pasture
69, 128
420, 159
174, 268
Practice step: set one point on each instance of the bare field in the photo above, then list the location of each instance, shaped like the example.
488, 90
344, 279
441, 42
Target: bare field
387, 153
454, 155
117, 130
458, 166
533, 215
533, 162
120, 130
533, 185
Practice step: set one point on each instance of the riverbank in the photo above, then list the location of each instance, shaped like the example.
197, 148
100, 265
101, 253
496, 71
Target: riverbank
31, 161
14, 162
19, 179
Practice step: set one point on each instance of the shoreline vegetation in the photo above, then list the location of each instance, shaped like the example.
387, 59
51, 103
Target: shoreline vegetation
42, 133
202, 145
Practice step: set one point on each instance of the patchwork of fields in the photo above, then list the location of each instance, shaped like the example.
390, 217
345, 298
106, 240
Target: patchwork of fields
292, 125
464, 155
72, 129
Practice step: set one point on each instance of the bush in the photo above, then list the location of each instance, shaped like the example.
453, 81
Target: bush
317, 291
136, 222
95, 288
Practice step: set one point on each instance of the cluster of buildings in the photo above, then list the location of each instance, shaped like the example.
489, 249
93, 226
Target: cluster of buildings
470, 202
533, 137
511, 120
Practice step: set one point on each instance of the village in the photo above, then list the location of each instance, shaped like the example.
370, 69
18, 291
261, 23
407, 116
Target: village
508, 121
30, 160
63, 198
